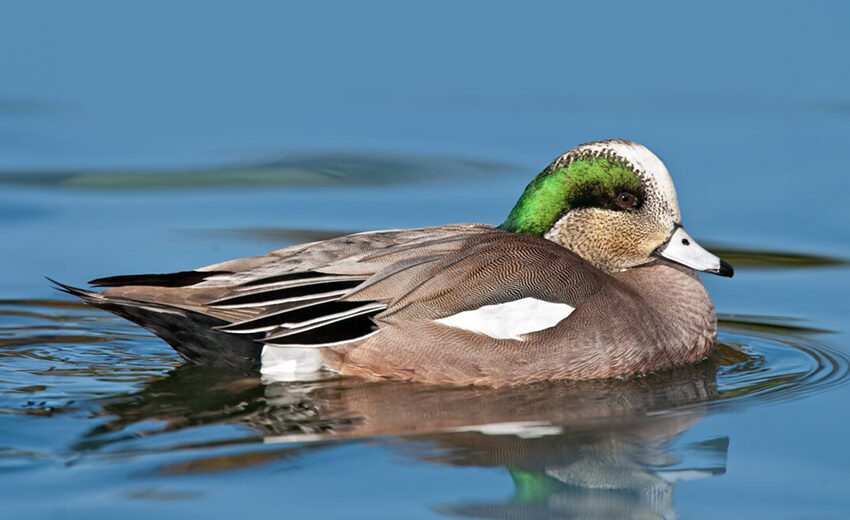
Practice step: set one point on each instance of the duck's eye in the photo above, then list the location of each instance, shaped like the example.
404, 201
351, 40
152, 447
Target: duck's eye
626, 200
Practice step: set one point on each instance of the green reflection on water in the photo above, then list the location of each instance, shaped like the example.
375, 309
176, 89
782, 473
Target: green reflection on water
773, 259
314, 170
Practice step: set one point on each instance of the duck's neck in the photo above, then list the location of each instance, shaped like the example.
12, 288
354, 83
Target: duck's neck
683, 306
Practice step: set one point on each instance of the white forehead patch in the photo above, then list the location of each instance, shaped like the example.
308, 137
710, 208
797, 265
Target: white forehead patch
647, 165
510, 320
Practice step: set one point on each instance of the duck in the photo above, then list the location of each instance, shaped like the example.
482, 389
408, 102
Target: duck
591, 276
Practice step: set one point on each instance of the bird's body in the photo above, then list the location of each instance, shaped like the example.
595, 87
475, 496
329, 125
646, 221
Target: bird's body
457, 304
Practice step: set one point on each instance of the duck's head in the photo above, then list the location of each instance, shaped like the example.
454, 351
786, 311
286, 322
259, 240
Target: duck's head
613, 203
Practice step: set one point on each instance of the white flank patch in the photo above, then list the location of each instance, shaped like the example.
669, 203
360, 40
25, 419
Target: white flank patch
521, 429
290, 364
510, 320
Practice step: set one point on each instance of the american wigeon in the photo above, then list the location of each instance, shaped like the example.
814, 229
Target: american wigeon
590, 276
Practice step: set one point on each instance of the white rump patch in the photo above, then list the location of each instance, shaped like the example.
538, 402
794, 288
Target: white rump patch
290, 364
510, 320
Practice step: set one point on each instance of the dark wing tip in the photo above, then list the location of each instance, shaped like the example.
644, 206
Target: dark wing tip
69, 289
178, 279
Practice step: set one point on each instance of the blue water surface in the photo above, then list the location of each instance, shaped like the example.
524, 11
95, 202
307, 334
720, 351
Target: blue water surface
162, 136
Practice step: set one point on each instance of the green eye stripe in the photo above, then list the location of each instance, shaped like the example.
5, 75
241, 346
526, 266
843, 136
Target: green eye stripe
592, 182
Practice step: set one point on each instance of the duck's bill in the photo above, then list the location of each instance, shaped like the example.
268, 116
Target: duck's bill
683, 249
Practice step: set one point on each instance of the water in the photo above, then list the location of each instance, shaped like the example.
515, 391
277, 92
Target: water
161, 138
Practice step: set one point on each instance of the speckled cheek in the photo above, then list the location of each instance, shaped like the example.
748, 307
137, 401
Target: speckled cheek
647, 234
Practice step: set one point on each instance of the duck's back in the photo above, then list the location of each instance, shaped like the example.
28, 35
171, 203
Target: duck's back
187, 308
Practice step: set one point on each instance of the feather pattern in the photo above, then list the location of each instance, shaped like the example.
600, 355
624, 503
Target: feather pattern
298, 295
371, 305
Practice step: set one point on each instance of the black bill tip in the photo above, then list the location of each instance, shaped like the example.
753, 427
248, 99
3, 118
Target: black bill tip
725, 270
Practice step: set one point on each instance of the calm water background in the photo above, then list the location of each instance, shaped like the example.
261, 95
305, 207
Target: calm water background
157, 137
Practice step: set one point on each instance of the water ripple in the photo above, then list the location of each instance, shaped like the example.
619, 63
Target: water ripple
781, 361
59, 357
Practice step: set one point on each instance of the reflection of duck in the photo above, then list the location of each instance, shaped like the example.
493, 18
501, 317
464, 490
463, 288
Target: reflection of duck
615, 475
573, 450
591, 275
571, 447
629, 470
